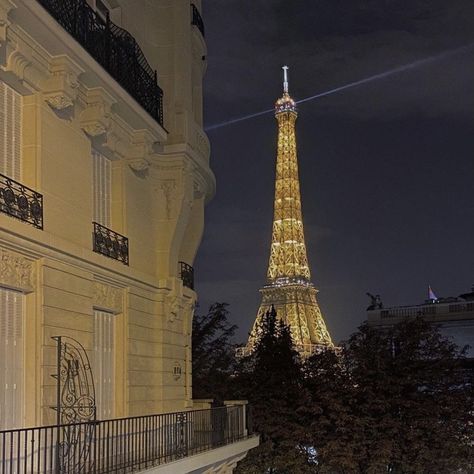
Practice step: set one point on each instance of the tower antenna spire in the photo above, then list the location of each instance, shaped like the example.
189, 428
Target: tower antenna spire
285, 78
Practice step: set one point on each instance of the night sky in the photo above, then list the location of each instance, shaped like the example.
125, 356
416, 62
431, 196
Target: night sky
386, 168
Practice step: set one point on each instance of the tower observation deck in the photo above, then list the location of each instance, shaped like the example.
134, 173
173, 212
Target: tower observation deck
289, 289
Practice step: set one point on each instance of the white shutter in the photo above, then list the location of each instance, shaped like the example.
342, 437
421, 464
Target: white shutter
10, 132
11, 359
101, 188
104, 363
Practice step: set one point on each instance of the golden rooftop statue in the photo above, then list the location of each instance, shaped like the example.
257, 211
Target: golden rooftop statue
289, 288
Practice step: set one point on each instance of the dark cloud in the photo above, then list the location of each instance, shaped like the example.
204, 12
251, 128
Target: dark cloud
329, 44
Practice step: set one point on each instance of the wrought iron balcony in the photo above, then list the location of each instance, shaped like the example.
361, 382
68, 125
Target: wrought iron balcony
109, 243
186, 273
197, 19
114, 48
21, 202
121, 445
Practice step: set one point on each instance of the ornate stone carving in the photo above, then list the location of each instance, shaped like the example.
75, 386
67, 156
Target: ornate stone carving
5, 7
17, 271
95, 118
17, 64
169, 187
140, 150
108, 297
60, 89
173, 307
139, 164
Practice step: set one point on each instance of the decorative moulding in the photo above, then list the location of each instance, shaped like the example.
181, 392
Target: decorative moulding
107, 297
168, 187
96, 117
173, 307
140, 150
5, 7
60, 89
17, 63
17, 271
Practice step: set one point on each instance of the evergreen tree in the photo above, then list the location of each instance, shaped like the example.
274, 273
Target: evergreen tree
213, 353
271, 380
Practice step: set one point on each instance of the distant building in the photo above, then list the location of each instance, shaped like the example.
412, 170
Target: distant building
104, 175
454, 316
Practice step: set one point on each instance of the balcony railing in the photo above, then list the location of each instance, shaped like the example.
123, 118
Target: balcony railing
109, 243
114, 48
197, 19
431, 309
120, 445
21, 202
186, 273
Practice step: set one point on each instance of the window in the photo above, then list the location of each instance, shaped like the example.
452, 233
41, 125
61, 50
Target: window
10, 132
101, 188
103, 363
11, 359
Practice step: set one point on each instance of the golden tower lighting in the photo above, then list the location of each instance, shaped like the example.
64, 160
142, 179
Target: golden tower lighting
288, 287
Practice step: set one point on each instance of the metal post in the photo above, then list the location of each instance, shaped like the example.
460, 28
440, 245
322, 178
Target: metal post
58, 402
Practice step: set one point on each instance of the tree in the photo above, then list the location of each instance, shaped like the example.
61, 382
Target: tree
213, 353
270, 378
400, 403
328, 417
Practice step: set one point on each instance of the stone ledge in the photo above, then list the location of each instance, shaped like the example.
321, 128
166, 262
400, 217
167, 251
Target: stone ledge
209, 461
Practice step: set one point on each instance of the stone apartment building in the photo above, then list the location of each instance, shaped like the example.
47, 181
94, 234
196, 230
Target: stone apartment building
104, 176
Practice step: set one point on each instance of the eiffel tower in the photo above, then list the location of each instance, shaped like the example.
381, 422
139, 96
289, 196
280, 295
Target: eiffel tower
289, 289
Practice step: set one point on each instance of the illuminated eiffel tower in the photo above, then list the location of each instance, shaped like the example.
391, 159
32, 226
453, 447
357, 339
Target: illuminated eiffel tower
289, 289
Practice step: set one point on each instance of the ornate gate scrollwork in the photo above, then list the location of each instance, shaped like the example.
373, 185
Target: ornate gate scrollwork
75, 403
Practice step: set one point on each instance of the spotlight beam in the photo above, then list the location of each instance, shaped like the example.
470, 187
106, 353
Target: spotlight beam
350, 85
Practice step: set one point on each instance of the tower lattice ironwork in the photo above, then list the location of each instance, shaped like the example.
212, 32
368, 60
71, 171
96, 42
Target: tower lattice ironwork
289, 289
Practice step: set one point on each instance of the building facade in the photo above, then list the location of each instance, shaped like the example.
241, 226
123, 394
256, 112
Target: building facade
289, 289
453, 316
104, 175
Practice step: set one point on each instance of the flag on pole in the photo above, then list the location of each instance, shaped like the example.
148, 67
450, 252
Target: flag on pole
431, 294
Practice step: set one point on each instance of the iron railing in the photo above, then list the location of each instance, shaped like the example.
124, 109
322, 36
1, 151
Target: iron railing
109, 243
120, 445
431, 309
114, 48
197, 19
186, 273
21, 202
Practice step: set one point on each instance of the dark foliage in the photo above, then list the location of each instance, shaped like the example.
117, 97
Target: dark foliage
213, 353
397, 400
394, 401
271, 380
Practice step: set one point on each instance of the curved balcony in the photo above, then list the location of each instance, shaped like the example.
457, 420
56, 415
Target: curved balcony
114, 48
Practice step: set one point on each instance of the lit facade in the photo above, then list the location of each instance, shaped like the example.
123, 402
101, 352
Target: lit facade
104, 175
453, 316
289, 289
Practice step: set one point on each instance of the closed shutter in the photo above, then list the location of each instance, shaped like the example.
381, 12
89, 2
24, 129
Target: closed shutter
104, 363
10, 132
11, 359
101, 188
